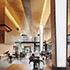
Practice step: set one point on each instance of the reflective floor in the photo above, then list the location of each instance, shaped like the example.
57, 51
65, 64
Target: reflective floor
22, 64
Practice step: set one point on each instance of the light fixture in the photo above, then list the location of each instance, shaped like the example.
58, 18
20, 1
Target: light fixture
7, 12
45, 12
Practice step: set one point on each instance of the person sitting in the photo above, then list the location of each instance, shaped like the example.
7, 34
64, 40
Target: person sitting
10, 57
22, 55
31, 58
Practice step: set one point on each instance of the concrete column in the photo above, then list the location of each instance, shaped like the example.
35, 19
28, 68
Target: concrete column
32, 48
58, 19
60, 15
61, 7
41, 38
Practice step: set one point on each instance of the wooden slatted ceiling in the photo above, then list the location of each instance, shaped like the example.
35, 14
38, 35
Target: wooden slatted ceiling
36, 9
16, 11
1, 12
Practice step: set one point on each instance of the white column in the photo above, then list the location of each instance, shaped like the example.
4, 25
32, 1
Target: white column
41, 38
60, 12
32, 48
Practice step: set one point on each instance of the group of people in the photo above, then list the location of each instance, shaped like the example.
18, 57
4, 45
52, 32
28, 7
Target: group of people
15, 56
36, 61
38, 58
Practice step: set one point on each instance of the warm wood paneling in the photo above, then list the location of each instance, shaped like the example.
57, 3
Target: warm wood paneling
1, 13
2, 36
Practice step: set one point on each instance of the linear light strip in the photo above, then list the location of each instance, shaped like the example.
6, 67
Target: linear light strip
11, 17
45, 12
45, 2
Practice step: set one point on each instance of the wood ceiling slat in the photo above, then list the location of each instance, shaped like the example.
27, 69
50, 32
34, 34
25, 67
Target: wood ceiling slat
16, 10
36, 8
2, 13
27, 9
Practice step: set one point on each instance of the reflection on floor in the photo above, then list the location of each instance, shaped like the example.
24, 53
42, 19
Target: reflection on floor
19, 65
23, 64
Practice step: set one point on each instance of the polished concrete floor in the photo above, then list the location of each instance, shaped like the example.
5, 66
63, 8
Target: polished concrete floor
20, 65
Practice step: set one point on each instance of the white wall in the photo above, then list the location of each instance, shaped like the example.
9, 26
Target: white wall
11, 37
